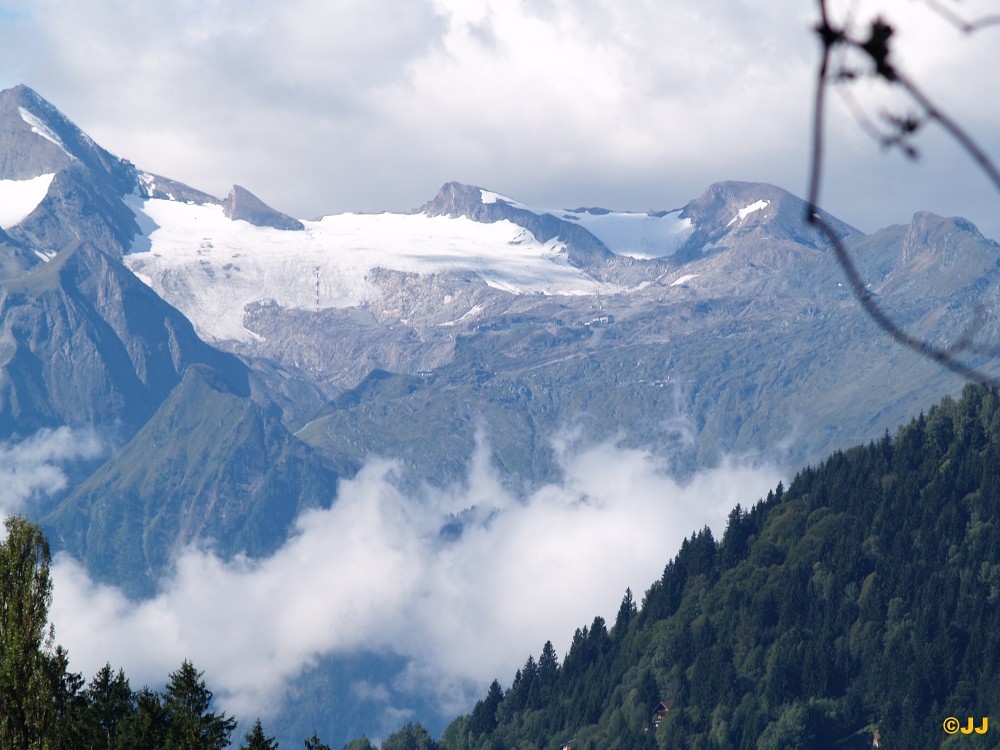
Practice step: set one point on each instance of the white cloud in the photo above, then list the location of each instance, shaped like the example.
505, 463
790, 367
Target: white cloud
30, 468
374, 572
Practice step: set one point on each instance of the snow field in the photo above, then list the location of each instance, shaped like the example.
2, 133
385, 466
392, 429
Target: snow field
210, 267
630, 233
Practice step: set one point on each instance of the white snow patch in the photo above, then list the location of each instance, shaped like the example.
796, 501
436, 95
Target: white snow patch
148, 182
211, 268
491, 197
39, 127
636, 235
148, 281
631, 233
684, 279
18, 198
746, 211
475, 310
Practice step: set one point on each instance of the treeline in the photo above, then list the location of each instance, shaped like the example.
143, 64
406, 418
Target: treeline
859, 606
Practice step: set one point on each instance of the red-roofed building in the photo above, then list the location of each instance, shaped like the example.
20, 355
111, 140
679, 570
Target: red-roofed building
661, 710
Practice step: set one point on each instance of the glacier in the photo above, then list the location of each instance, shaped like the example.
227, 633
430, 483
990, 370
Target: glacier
211, 267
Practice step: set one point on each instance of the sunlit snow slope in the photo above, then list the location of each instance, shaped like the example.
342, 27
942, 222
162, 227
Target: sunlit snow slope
211, 267
631, 233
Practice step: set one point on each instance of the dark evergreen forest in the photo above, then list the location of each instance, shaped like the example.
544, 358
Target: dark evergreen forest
859, 605
862, 602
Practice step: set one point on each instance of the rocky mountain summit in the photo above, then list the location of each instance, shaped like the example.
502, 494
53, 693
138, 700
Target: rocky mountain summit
243, 205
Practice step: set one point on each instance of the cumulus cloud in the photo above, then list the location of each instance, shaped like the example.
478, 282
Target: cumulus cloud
461, 581
31, 468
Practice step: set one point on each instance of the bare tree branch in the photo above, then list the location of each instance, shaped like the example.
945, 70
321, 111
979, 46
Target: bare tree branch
957, 132
877, 47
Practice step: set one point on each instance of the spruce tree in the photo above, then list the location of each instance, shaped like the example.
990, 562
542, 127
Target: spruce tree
190, 725
257, 740
110, 704
314, 743
410, 737
626, 612
145, 727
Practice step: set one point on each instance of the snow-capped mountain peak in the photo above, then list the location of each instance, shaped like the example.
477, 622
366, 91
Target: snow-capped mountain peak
40, 128
748, 209
37, 139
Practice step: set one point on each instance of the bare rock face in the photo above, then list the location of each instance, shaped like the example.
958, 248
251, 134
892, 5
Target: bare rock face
163, 188
242, 204
733, 213
83, 342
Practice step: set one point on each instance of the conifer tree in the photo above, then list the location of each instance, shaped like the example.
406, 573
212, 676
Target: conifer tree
410, 737
68, 704
626, 612
257, 740
110, 702
190, 725
314, 743
146, 725
484, 715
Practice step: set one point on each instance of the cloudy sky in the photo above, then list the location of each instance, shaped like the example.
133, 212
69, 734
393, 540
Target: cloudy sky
324, 106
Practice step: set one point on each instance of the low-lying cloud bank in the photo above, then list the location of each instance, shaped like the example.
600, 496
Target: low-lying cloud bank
463, 582
31, 468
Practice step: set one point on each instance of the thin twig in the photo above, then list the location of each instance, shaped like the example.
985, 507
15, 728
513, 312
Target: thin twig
860, 117
960, 23
957, 132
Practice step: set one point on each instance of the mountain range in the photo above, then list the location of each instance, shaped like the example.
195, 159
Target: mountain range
237, 362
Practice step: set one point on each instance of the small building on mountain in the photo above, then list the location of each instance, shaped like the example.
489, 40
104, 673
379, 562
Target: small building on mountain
662, 709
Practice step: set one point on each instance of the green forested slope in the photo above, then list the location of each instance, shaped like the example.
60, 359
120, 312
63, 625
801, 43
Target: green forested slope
865, 598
